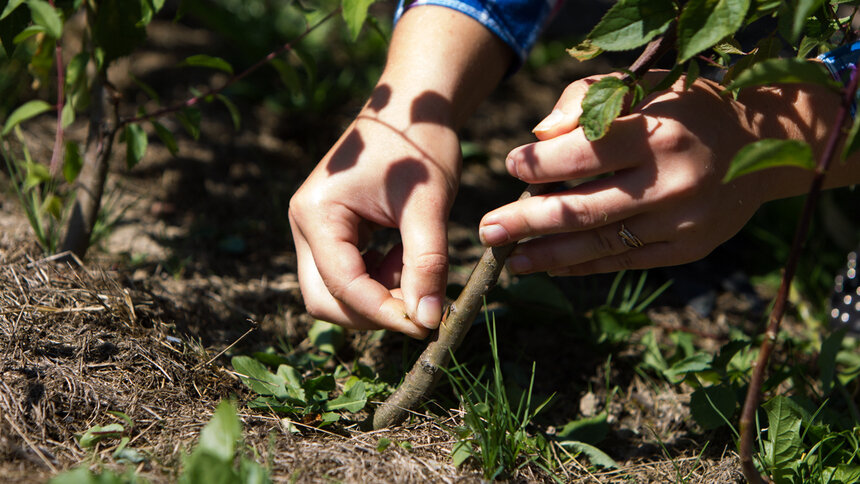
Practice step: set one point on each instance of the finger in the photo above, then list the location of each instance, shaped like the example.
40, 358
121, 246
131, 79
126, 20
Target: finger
582, 208
571, 155
425, 263
565, 250
659, 254
349, 297
388, 268
564, 116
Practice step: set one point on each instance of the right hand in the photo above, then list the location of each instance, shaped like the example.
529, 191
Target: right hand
396, 166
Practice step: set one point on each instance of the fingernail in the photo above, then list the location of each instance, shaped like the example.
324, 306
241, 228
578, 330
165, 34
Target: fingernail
555, 117
511, 164
520, 263
493, 234
429, 312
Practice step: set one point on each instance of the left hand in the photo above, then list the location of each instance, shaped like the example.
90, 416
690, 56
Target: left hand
657, 174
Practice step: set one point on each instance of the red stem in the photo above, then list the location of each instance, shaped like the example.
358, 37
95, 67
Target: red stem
213, 91
747, 422
57, 155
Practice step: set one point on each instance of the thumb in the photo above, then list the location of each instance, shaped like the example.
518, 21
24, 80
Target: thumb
425, 267
564, 117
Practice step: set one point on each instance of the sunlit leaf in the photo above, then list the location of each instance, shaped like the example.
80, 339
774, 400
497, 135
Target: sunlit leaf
209, 61
46, 16
355, 13
692, 364
97, 433
327, 337
258, 378
703, 23
27, 33
783, 442
602, 104
632, 23
11, 5
136, 142
769, 153
25, 112
220, 435
783, 71
595, 455
585, 50
461, 451
353, 400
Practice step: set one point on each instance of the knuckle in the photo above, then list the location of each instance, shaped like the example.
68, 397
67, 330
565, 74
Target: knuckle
432, 263
604, 243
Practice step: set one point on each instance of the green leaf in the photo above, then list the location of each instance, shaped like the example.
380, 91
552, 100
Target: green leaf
190, 120
783, 442
632, 23
27, 33
461, 451
327, 337
585, 50
166, 137
97, 433
258, 378
355, 13
827, 359
11, 5
234, 111
353, 400
68, 115
37, 174
692, 364
768, 153
13, 21
72, 162
46, 16
591, 430
25, 112
709, 406
136, 142
783, 71
704, 23
53, 206
595, 455
383, 444
209, 61
220, 435
602, 104
802, 10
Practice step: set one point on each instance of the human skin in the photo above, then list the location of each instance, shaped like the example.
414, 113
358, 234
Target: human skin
661, 170
396, 166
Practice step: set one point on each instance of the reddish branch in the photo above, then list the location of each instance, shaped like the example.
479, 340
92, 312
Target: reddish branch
747, 422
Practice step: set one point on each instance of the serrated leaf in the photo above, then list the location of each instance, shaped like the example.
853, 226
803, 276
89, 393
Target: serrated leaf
326, 337
584, 51
632, 23
258, 378
602, 104
46, 16
709, 403
234, 111
72, 162
136, 142
703, 23
783, 442
352, 400
166, 137
783, 71
355, 13
768, 153
595, 455
25, 112
209, 61
220, 435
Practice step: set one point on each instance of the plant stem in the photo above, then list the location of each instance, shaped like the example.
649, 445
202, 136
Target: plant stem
424, 373
57, 155
747, 422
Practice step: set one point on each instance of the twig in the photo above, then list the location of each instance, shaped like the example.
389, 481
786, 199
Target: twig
225, 349
747, 422
426, 370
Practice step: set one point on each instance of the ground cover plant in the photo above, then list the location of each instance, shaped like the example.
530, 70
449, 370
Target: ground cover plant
115, 365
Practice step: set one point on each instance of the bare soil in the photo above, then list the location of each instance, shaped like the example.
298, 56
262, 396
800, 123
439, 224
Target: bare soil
200, 267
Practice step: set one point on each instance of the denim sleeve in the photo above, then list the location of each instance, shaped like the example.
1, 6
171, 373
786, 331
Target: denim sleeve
517, 22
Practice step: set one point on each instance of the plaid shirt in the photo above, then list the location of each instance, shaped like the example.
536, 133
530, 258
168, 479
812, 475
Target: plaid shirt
517, 22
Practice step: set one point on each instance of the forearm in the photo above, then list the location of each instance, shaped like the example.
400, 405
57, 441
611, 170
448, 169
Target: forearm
443, 59
806, 113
